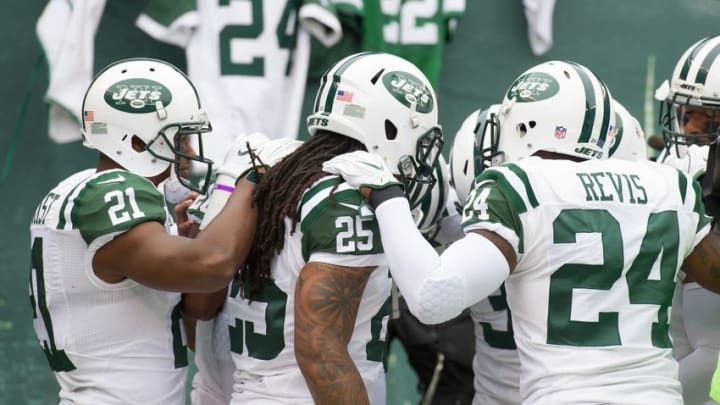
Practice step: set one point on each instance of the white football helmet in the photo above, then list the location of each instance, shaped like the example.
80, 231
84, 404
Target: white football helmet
629, 140
474, 149
695, 82
556, 106
388, 104
140, 112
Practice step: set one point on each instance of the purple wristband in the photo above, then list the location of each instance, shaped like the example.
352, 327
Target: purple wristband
223, 187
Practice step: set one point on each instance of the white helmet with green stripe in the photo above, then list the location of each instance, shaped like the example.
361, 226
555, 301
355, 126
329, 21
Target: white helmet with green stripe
629, 140
388, 104
695, 82
556, 106
139, 112
474, 149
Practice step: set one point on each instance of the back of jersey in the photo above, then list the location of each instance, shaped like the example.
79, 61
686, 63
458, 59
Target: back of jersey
414, 30
248, 60
111, 344
335, 227
599, 244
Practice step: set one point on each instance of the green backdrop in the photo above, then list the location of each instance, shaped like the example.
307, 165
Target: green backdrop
631, 44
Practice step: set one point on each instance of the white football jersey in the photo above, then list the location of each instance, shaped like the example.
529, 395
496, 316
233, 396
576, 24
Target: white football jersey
344, 232
599, 244
247, 59
496, 366
119, 343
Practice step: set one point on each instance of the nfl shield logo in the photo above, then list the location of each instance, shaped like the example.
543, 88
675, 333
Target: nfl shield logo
560, 132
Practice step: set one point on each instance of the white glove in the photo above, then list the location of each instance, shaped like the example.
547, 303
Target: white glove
274, 150
693, 163
237, 160
361, 169
237, 163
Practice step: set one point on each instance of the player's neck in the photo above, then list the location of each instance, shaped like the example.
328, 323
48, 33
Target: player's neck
105, 163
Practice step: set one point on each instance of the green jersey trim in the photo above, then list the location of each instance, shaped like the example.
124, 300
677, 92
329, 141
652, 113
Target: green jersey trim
520, 173
113, 202
335, 219
682, 183
699, 207
495, 203
512, 185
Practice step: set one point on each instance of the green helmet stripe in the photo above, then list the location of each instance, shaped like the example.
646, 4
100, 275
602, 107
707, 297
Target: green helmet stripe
591, 108
706, 64
323, 80
689, 59
330, 96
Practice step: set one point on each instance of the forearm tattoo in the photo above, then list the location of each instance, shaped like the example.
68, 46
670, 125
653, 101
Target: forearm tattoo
327, 298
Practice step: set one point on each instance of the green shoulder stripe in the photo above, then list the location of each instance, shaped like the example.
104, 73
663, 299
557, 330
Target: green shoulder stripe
517, 190
682, 184
165, 12
494, 201
520, 173
699, 208
114, 202
337, 220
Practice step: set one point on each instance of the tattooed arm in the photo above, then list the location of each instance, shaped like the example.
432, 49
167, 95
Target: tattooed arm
703, 263
327, 298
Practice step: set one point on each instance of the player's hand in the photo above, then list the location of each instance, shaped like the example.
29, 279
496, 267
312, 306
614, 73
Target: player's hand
362, 170
694, 162
238, 159
196, 210
185, 225
267, 152
274, 150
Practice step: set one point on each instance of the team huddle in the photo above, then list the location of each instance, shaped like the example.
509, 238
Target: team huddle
573, 250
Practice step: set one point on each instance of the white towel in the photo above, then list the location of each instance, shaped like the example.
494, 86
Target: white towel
66, 30
539, 16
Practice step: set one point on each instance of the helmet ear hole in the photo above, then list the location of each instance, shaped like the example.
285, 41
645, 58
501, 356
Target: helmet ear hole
391, 130
138, 144
521, 129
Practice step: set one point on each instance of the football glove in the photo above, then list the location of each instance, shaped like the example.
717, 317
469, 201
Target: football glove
361, 169
694, 162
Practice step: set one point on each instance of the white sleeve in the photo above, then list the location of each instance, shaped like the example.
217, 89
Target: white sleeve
437, 287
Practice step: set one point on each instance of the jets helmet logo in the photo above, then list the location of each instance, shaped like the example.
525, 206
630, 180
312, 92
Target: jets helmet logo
409, 90
534, 86
137, 95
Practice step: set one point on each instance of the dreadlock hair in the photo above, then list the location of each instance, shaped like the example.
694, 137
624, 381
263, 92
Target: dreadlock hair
277, 196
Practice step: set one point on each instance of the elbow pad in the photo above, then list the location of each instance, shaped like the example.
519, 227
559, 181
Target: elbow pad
470, 270
440, 298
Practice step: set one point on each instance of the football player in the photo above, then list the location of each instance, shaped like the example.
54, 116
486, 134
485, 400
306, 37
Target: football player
307, 315
107, 269
689, 118
573, 236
